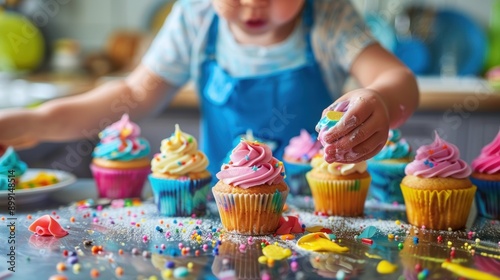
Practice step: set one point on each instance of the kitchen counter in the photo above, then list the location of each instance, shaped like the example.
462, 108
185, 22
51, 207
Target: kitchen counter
120, 230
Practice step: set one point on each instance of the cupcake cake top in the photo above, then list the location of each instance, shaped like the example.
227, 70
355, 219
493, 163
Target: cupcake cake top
439, 159
9, 160
252, 164
179, 155
121, 142
489, 160
396, 147
337, 169
303, 147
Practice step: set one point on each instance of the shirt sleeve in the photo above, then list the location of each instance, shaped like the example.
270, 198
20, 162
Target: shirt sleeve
341, 33
169, 56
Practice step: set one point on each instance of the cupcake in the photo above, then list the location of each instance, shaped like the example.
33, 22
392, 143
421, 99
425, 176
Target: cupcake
11, 168
251, 190
387, 169
437, 191
297, 159
337, 188
486, 176
120, 163
180, 180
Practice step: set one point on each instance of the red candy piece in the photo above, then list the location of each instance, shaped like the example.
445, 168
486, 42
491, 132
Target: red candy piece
47, 226
289, 224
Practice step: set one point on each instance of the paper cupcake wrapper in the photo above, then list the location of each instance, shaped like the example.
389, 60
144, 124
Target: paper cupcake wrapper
119, 183
438, 209
250, 214
339, 197
487, 198
180, 198
386, 181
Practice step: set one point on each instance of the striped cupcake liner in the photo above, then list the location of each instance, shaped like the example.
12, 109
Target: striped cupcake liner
250, 214
386, 181
339, 197
438, 209
118, 183
487, 198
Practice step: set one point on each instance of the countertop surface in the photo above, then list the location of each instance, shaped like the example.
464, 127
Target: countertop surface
142, 243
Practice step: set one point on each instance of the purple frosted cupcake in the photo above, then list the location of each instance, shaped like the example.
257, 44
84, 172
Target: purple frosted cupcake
121, 164
486, 177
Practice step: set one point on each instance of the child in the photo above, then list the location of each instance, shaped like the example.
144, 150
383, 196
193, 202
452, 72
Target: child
271, 66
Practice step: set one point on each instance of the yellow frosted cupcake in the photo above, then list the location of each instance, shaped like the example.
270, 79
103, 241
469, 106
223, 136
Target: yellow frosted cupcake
180, 180
337, 188
437, 191
251, 192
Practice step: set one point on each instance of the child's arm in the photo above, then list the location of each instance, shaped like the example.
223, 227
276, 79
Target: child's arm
86, 114
388, 98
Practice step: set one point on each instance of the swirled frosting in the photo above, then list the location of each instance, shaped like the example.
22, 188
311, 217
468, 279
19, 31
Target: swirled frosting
10, 165
439, 159
252, 164
318, 163
395, 147
302, 147
121, 142
179, 155
489, 160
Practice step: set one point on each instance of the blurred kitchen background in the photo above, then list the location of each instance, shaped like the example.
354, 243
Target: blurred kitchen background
70, 46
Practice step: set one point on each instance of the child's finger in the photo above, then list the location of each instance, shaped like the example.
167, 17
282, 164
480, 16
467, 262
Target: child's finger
357, 114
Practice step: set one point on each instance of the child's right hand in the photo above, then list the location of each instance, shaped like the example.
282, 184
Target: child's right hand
18, 129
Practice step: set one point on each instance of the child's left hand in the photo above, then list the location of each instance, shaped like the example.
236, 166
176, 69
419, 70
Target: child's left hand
361, 132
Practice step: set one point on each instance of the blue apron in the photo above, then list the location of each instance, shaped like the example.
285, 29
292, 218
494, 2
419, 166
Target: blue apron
275, 106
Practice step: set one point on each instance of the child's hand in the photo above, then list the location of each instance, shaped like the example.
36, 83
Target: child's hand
361, 132
17, 129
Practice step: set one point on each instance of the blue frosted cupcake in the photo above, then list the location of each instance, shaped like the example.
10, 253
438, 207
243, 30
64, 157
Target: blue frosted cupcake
486, 177
10, 167
180, 180
297, 160
387, 169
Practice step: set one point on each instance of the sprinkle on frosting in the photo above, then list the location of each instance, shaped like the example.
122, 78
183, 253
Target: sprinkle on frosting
251, 164
395, 147
335, 168
439, 159
489, 160
120, 141
302, 147
179, 155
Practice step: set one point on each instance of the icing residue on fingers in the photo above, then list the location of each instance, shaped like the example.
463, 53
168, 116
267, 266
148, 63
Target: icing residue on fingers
47, 226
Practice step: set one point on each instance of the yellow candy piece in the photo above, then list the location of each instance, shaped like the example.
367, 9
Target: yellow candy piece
385, 267
314, 228
276, 252
468, 272
373, 256
262, 260
319, 242
334, 116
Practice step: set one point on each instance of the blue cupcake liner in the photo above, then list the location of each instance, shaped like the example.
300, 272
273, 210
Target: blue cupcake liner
296, 177
180, 198
386, 181
487, 198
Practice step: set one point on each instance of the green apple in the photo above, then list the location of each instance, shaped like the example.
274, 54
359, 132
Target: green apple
21, 43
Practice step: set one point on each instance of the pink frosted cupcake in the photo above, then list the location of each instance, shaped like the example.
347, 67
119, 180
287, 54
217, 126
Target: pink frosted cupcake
486, 176
121, 164
297, 159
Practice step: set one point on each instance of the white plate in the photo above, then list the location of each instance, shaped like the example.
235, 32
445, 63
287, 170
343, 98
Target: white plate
36, 194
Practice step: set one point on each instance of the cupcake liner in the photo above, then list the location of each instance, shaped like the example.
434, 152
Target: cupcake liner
180, 197
250, 214
438, 209
487, 198
296, 179
339, 197
119, 183
386, 181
